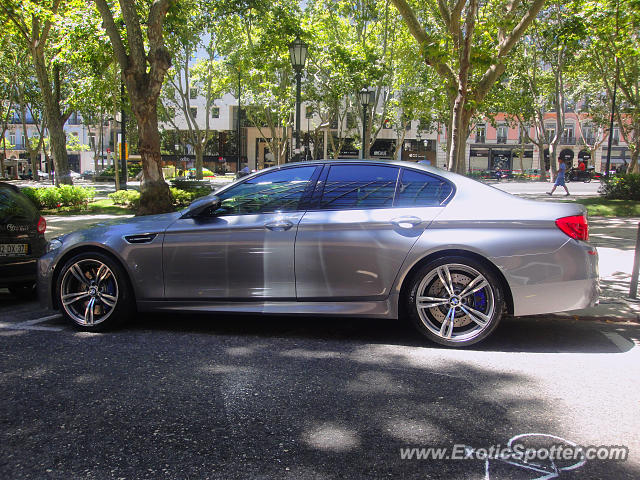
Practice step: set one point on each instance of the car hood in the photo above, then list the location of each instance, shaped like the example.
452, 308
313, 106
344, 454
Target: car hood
102, 231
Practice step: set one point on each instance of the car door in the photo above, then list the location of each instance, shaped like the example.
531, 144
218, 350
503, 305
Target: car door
365, 219
244, 249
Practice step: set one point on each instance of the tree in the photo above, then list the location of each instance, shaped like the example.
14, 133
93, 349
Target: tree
613, 28
143, 70
35, 23
207, 78
535, 83
467, 43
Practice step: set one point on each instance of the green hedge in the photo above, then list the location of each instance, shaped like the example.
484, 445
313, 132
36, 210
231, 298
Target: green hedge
62, 196
181, 198
126, 197
621, 187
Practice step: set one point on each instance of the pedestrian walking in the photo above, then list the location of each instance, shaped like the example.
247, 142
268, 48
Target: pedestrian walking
560, 178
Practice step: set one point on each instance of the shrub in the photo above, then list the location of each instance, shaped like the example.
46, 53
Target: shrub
182, 198
621, 187
33, 195
126, 197
63, 196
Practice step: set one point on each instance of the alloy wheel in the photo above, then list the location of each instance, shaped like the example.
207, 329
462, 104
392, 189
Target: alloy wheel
89, 292
455, 302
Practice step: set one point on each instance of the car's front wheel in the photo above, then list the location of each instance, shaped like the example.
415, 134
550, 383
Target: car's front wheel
93, 292
455, 301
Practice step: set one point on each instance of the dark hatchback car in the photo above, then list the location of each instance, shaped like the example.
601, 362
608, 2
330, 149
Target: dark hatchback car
21, 240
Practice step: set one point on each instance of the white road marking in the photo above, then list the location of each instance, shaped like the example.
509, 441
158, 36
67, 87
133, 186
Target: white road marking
33, 324
619, 341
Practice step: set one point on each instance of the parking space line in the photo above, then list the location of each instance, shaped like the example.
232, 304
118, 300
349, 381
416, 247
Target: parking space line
32, 324
619, 341
40, 320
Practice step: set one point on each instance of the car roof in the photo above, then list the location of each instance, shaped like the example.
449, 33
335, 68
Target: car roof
10, 186
355, 161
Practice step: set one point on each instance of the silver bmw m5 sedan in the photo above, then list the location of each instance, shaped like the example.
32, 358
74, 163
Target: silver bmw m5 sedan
351, 238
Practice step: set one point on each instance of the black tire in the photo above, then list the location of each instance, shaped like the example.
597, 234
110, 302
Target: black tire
94, 278
588, 179
23, 291
475, 315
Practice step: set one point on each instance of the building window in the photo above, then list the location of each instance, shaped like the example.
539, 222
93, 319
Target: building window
193, 93
616, 136
523, 134
92, 140
12, 138
215, 112
194, 112
549, 132
587, 132
408, 126
568, 135
502, 134
481, 131
22, 142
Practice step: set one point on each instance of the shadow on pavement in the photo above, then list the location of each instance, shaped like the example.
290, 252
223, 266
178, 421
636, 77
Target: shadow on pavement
155, 400
527, 334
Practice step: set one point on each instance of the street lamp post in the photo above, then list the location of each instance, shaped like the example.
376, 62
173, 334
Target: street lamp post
298, 54
233, 64
365, 99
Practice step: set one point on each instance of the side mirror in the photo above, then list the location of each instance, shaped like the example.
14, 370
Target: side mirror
200, 205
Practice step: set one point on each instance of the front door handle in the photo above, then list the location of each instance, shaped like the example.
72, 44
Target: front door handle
279, 225
406, 222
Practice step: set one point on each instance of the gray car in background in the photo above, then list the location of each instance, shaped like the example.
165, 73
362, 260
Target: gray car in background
356, 238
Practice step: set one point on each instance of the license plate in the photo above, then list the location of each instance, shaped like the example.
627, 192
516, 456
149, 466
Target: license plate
14, 248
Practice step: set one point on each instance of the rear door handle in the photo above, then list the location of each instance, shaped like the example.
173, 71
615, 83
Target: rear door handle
406, 222
279, 225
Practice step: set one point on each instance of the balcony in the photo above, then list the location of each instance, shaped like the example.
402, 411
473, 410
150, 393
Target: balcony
480, 139
588, 140
502, 140
566, 140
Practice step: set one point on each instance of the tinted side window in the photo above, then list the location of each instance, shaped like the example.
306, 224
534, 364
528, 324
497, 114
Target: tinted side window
418, 189
281, 190
359, 186
14, 206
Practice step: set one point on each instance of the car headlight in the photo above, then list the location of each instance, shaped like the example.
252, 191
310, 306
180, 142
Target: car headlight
54, 244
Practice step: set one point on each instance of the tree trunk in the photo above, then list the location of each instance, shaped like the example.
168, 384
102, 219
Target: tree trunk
458, 133
155, 195
633, 166
55, 120
543, 170
59, 151
199, 151
3, 156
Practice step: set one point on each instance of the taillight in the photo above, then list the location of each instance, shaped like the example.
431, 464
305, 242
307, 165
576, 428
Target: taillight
575, 226
42, 225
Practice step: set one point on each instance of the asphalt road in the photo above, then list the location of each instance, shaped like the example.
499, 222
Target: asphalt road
183, 396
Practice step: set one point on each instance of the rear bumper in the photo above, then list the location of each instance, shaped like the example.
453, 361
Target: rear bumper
564, 280
18, 271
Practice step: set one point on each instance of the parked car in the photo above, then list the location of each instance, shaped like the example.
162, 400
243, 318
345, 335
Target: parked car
21, 240
359, 238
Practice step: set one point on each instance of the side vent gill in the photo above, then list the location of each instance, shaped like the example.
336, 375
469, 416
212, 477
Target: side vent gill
141, 238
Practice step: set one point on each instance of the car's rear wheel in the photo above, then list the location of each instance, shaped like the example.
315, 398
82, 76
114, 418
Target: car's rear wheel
93, 292
455, 301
